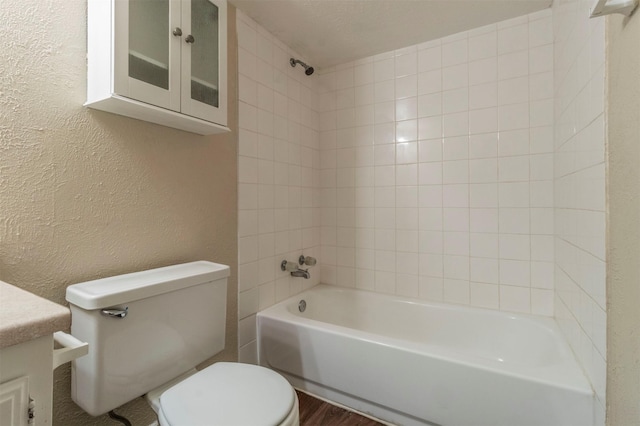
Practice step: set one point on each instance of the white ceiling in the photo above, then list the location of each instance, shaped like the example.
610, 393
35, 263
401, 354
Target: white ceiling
332, 32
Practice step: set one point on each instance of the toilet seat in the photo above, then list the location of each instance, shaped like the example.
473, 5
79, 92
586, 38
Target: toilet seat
229, 394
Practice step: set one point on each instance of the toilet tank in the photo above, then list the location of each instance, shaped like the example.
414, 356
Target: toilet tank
175, 319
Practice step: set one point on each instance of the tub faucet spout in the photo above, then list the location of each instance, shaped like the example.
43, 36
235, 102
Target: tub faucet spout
301, 273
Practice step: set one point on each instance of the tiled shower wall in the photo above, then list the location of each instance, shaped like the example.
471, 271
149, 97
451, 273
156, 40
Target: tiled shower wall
278, 175
429, 172
580, 268
437, 169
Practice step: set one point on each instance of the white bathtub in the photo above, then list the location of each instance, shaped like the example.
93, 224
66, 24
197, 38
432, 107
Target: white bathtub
413, 363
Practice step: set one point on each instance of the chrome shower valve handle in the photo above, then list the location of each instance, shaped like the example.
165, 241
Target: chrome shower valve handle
307, 260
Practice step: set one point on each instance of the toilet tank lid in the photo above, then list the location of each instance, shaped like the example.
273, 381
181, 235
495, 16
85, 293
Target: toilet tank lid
111, 291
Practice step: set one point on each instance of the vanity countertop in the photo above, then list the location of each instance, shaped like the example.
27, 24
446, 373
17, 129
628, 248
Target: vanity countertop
25, 316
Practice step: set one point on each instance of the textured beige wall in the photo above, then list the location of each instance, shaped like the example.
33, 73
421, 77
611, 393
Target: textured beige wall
623, 271
87, 194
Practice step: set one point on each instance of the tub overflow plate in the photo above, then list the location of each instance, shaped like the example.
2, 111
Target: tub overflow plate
302, 305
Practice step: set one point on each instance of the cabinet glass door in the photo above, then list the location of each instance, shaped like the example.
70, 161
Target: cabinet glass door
149, 41
204, 53
147, 51
204, 72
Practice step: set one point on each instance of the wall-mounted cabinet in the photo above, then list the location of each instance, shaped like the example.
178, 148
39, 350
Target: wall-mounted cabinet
163, 61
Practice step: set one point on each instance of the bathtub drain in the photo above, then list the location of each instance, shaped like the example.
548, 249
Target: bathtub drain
302, 305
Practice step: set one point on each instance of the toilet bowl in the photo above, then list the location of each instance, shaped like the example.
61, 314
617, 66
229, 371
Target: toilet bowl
148, 330
226, 394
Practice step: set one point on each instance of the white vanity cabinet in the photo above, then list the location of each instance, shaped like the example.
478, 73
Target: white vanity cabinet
163, 61
28, 329
26, 383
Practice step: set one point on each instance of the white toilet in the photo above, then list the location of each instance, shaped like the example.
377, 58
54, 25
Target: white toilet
148, 330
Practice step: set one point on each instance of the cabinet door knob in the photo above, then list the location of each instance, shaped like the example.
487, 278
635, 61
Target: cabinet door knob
190, 39
177, 31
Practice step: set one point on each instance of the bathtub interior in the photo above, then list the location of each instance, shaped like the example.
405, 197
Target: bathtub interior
468, 332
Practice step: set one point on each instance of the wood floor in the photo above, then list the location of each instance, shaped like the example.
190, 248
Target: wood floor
314, 412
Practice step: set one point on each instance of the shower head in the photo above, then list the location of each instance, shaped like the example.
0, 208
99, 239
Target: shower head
307, 69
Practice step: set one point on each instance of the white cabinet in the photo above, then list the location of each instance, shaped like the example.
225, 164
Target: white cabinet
14, 402
26, 378
163, 61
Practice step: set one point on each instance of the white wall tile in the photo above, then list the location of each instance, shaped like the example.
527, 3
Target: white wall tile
455, 53
514, 220
483, 71
407, 241
513, 39
384, 91
515, 273
483, 195
248, 276
456, 219
483, 170
248, 353
514, 90
456, 124
483, 95
541, 302
406, 64
484, 270
456, 148
483, 121
363, 74
511, 65
540, 31
406, 109
484, 245
406, 131
484, 220
429, 150
484, 295
406, 86
384, 69
455, 195
455, 171
483, 145
515, 247
429, 59
513, 169
513, 194
384, 133
515, 299
456, 243
456, 291
483, 45
407, 194
430, 196
430, 128
541, 59
455, 100
456, 76
514, 116
364, 94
